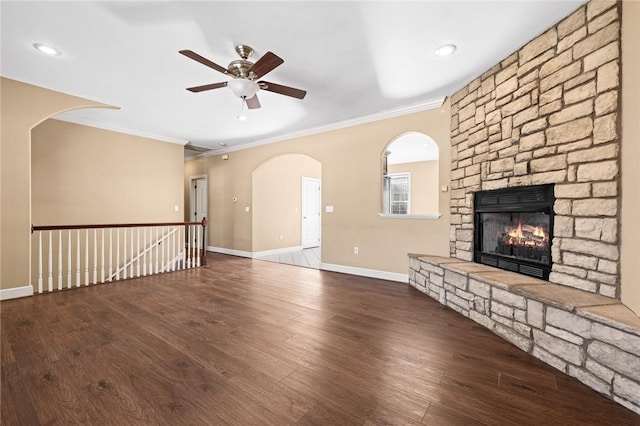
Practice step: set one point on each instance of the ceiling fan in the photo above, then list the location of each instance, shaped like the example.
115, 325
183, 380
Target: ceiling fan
245, 74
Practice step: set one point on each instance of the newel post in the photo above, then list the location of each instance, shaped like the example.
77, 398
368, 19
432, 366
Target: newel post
203, 260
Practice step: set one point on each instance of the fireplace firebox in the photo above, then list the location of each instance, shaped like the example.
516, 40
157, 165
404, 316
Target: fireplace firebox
514, 229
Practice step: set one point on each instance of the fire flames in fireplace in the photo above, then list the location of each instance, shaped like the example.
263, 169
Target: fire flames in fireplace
526, 235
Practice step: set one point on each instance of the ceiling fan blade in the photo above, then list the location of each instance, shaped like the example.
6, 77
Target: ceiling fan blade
207, 87
204, 61
283, 90
266, 64
253, 103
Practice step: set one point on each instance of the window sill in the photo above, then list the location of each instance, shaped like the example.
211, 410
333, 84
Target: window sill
430, 216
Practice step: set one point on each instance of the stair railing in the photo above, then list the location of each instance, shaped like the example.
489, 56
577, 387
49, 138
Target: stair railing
70, 256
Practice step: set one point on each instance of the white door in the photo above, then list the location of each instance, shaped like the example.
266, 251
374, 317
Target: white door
310, 212
199, 201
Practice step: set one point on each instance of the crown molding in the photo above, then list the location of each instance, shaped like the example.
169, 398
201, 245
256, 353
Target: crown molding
405, 110
90, 123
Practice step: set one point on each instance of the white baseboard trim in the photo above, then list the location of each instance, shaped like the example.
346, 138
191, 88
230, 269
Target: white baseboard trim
276, 251
14, 293
229, 251
371, 273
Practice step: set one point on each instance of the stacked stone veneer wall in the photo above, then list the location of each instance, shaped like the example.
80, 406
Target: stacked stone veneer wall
549, 113
593, 338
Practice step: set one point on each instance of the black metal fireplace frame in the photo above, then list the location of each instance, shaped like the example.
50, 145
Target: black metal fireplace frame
523, 199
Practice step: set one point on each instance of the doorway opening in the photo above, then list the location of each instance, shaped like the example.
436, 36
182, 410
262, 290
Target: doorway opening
198, 199
286, 219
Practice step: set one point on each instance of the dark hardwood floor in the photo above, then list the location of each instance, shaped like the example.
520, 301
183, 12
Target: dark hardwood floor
247, 342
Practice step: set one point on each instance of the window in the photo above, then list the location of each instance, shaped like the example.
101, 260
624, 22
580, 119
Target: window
399, 185
410, 177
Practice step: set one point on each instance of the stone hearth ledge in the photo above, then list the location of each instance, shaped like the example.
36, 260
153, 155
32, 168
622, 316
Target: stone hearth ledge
593, 338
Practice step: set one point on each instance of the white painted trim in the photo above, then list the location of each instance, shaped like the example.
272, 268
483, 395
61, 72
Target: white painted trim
229, 251
90, 123
362, 272
408, 109
276, 251
14, 293
410, 216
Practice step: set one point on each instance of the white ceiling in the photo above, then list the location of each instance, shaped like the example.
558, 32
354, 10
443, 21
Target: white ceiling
355, 59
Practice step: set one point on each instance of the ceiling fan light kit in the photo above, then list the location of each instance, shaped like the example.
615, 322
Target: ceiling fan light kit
244, 73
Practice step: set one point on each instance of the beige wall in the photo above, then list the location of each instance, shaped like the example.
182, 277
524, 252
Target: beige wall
23, 107
630, 247
277, 200
351, 169
425, 190
84, 175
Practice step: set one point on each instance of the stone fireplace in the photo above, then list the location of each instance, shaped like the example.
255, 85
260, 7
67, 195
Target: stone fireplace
513, 229
549, 114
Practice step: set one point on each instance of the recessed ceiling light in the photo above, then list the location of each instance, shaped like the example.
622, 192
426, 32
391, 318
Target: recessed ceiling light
47, 50
223, 144
445, 50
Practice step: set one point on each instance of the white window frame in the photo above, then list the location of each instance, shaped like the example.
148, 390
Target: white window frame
387, 195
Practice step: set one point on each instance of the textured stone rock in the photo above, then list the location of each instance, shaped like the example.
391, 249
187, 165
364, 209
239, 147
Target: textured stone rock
597, 229
608, 76
571, 270
482, 319
602, 20
571, 281
616, 359
550, 359
605, 189
538, 46
595, 8
601, 56
570, 24
593, 248
479, 288
564, 335
595, 206
514, 107
560, 76
627, 389
568, 321
580, 93
569, 132
587, 262
607, 266
535, 140
508, 298
572, 112
595, 41
618, 338
457, 280
535, 314
501, 309
556, 162
590, 380
558, 347
548, 177
605, 129
508, 334
598, 153
599, 370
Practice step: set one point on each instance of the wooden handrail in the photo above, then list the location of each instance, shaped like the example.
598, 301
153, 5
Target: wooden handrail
118, 225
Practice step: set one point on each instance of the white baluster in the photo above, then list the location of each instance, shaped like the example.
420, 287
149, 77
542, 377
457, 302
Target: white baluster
157, 250
40, 282
193, 246
117, 254
144, 253
162, 246
173, 249
110, 254
188, 247
69, 276
60, 260
198, 244
86, 257
78, 258
124, 268
138, 250
132, 255
95, 256
102, 258
50, 272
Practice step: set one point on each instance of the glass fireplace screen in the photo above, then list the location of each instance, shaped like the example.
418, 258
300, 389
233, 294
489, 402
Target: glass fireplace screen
519, 235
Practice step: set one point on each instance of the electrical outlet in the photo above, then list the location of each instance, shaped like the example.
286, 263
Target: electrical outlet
355, 250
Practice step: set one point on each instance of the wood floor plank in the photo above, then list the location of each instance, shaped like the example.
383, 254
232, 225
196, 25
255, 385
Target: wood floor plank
246, 342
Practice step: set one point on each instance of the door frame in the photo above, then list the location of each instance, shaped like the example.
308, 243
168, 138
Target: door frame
302, 225
192, 194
